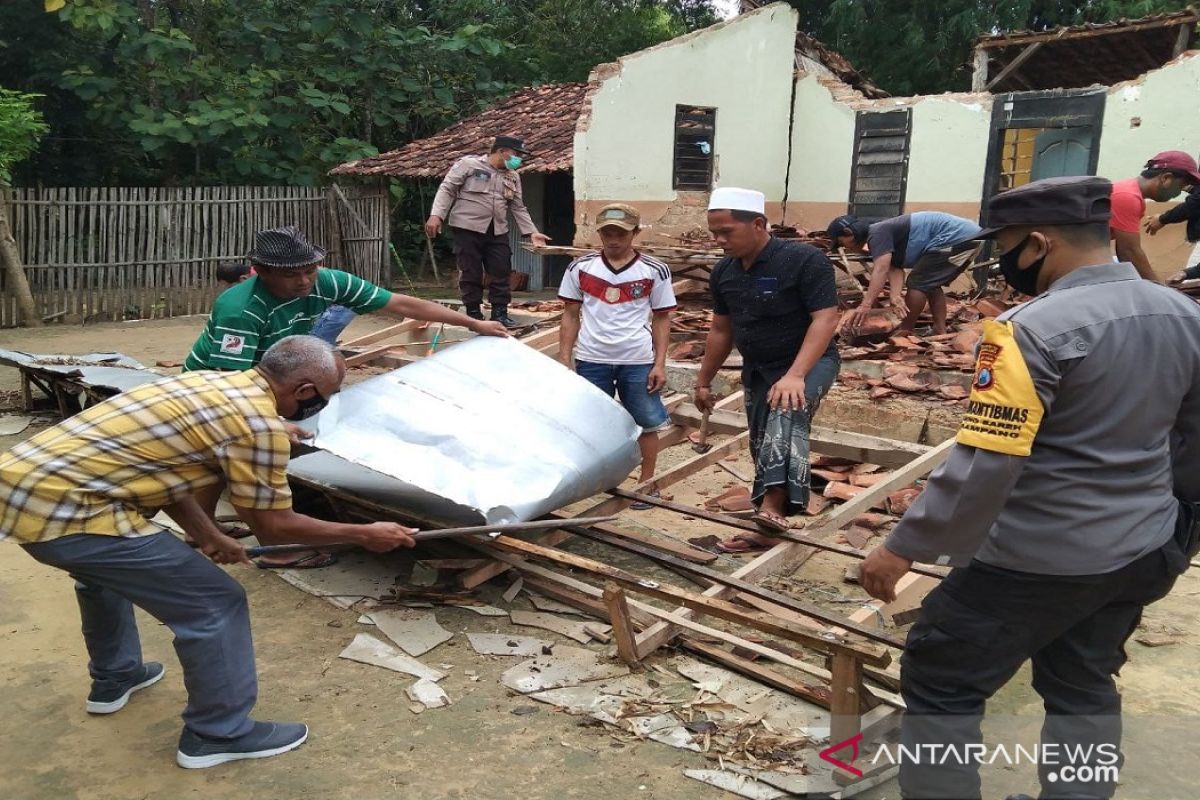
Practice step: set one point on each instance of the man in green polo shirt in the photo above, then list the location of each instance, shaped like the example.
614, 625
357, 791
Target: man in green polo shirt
289, 291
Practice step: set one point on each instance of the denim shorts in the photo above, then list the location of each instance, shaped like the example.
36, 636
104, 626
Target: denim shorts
628, 381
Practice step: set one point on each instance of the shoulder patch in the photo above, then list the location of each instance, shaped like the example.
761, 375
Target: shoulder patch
232, 344
1004, 412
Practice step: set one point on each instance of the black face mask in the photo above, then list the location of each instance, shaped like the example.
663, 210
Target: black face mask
308, 407
1022, 280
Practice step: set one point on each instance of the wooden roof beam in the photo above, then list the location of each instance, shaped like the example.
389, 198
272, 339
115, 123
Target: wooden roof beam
1013, 65
1069, 34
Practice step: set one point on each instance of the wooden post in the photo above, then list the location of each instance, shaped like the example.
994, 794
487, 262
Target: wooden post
845, 705
618, 615
979, 76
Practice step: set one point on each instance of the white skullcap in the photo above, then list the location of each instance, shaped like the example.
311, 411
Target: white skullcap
733, 199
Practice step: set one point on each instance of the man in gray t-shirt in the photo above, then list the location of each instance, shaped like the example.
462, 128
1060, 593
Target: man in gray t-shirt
1065, 505
933, 246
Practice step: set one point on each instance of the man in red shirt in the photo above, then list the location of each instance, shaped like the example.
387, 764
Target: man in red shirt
1164, 178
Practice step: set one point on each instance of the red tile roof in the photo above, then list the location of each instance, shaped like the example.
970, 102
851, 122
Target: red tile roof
544, 116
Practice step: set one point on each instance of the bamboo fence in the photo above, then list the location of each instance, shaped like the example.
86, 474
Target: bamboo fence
119, 253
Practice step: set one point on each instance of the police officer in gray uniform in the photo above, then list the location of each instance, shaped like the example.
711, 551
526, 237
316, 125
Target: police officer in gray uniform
1065, 505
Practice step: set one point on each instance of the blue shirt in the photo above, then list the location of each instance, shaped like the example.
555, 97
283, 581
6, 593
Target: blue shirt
910, 236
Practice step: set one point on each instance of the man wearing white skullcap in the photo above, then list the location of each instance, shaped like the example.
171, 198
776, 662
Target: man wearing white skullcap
777, 301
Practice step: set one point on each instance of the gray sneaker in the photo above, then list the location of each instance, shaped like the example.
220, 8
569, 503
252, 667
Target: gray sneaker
108, 697
266, 739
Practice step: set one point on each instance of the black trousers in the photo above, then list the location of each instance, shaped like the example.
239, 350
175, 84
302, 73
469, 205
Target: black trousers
981, 624
477, 253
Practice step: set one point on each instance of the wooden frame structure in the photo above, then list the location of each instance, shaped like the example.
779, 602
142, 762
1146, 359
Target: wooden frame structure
855, 648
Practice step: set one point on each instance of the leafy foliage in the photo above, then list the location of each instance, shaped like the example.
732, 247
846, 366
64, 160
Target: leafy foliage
21, 125
279, 91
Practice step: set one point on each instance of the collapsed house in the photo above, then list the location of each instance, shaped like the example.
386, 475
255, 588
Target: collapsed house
755, 102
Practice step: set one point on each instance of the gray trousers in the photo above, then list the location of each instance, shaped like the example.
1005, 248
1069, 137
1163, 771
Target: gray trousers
204, 607
976, 630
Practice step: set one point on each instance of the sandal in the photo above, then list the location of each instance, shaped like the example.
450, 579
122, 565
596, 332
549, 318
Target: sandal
743, 543
305, 560
639, 505
771, 522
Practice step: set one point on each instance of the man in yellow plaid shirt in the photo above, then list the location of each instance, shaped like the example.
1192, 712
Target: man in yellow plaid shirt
79, 496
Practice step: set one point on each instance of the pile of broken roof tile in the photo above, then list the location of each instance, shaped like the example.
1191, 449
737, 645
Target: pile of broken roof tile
930, 365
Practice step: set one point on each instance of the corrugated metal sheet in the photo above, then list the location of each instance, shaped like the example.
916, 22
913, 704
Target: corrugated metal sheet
533, 188
488, 430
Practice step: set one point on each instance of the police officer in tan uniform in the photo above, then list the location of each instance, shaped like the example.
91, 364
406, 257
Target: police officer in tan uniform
475, 198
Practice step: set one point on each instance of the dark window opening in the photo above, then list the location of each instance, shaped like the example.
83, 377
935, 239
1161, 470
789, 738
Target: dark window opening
695, 144
879, 176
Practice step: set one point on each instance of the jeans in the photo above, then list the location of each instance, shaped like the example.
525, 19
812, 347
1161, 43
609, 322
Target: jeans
204, 607
628, 381
329, 326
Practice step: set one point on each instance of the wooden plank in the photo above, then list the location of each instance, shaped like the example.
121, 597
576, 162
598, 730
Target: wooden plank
746, 525
748, 588
663, 543
642, 611
1067, 34
797, 553
585, 596
780, 558
919, 467
385, 333
828, 441
618, 616
862, 651
1013, 65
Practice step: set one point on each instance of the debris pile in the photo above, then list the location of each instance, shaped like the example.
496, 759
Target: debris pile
540, 306
839, 479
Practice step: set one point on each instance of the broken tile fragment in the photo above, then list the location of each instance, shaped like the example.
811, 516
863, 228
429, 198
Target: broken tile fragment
568, 666
428, 694
366, 649
572, 629
900, 501
415, 632
500, 644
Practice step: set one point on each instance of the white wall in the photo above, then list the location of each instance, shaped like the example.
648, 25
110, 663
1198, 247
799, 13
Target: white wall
1166, 104
822, 145
742, 67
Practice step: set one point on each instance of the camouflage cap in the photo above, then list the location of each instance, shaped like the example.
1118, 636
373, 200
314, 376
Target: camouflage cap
619, 215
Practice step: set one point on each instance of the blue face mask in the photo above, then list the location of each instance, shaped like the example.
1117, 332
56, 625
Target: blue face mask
512, 162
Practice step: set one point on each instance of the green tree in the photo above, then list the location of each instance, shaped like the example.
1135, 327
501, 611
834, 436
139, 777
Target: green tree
278, 91
20, 128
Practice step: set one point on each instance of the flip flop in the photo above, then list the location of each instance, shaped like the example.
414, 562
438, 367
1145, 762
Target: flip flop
311, 560
742, 544
770, 522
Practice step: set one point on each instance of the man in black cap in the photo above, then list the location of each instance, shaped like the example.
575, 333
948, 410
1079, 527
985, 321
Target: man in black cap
1065, 506
475, 198
934, 246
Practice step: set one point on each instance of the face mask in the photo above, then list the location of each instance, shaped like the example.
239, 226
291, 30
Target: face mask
1021, 280
308, 407
512, 162
1169, 192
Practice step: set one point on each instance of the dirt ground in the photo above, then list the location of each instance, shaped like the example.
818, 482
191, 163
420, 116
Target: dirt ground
365, 741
